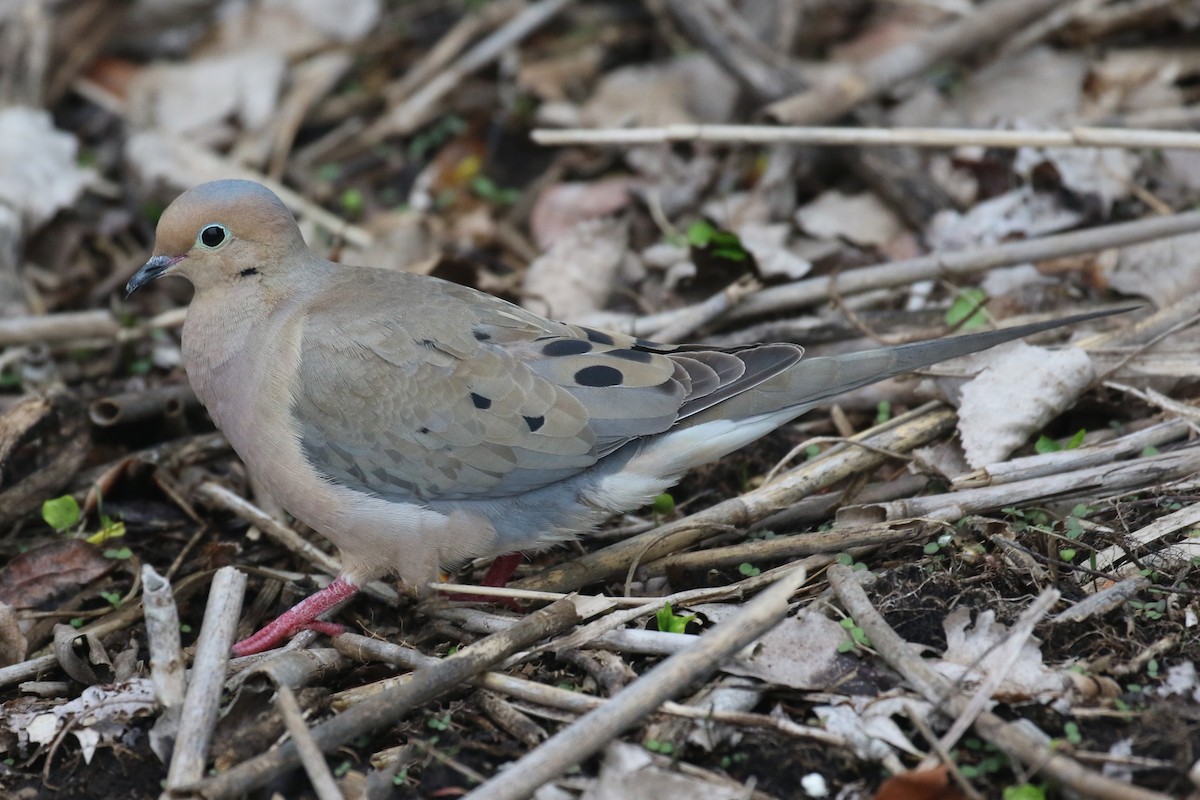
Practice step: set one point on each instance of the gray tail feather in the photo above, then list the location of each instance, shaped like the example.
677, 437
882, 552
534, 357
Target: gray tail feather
814, 381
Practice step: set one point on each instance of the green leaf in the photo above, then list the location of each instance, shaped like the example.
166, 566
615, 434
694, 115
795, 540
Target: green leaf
353, 202
1045, 444
1149, 450
119, 554
670, 622
748, 569
663, 504
700, 233
1076, 440
1067, 554
966, 311
1024, 791
113, 598
883, 412
703, 235
61, 513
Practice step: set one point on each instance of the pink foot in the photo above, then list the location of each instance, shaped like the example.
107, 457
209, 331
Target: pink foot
502, 569
497, 575
299, 617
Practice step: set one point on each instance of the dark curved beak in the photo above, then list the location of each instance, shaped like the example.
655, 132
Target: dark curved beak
152, 269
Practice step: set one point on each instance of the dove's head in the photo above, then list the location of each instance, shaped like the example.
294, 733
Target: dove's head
220, 233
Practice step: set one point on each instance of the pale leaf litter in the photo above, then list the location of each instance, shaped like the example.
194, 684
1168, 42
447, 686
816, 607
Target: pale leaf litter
578, 273
101, 714
39, 174
1020, 390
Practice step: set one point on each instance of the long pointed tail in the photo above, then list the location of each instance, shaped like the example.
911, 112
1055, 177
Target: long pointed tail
813, 381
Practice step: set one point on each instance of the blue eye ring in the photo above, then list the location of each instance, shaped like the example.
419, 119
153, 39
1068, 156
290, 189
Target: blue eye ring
213, 235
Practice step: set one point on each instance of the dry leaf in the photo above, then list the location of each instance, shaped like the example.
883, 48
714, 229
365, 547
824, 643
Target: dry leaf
688, 89
40, 575
193, 96
1163, 270
862, 219
1040, 86
1021, 390
867, 725
1106, 175
800, 652
1021, 212
577, 275
554, 78
974, 653
100, 715
38, 171
927, 784
13, 644
629, 773
291, 27
560, 207
768, 245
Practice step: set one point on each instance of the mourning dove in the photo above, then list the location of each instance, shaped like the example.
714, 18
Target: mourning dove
417, 423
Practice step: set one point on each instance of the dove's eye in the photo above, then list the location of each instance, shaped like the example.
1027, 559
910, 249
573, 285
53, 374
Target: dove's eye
213, 236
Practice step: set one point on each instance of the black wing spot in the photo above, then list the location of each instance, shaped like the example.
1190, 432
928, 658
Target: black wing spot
423, 430
599, 337
599, 375
640, 342
566, 347
640, 356
481, 402
481, 335
535, 423
246, 273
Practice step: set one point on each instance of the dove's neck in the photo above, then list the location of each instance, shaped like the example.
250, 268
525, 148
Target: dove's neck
220, 328
227, 340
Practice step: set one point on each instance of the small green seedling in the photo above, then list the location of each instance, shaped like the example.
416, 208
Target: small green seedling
663, 504
61, 513
1045, 444
858, 638
711, 239
1024, 791
658, 746
966, 312
670, 622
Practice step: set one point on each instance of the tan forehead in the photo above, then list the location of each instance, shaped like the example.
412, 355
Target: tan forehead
248, 210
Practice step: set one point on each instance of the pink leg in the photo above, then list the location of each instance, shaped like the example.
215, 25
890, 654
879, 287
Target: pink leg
497, 575
502, 569
299, 617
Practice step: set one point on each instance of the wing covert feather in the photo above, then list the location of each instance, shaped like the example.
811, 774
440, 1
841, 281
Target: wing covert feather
422, 392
